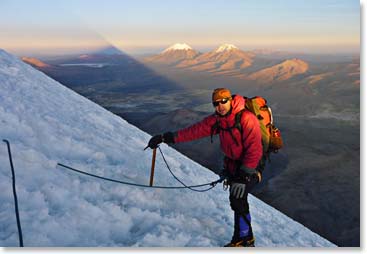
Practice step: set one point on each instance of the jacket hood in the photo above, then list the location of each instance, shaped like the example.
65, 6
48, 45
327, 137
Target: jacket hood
238, 103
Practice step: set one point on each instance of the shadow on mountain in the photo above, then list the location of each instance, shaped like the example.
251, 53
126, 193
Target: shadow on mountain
108, 70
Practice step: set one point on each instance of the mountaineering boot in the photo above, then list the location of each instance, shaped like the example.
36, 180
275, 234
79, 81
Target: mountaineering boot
242, 235
246, 242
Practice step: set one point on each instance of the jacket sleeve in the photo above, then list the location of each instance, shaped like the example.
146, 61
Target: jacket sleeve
196, 131
252, 141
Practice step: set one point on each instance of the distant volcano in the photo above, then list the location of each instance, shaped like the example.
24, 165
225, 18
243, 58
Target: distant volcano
226, 57
174, 54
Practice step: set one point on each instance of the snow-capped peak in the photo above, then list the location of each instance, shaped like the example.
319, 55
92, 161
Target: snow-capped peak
225, 47
178, 46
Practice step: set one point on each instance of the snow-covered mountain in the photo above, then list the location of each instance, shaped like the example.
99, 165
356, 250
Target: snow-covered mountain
47, 124
174, 55
224, 60
178, 46
225, 47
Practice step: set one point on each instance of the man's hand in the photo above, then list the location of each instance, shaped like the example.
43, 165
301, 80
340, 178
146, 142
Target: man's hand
247, 175
237, 190
155, 141
167, 138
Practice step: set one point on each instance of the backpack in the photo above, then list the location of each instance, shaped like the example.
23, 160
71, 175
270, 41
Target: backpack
271, 138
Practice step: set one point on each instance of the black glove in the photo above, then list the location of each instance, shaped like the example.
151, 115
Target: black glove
155, 141
244, 181
246, 175
237, 190
167, 137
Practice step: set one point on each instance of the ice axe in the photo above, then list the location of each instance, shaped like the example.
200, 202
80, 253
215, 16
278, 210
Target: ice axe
153, 166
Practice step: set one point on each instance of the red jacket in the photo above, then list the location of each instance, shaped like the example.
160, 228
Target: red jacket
248, 150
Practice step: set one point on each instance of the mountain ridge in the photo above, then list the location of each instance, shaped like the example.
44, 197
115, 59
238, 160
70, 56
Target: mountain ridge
35, 62
280, 72
228, 60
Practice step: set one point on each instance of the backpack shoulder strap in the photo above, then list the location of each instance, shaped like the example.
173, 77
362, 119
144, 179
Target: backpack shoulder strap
238, 120
216, 126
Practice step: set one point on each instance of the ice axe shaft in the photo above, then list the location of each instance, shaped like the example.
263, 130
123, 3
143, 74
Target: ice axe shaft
153, 166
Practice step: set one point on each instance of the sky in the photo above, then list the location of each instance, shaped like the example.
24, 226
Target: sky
141, 26
61, 208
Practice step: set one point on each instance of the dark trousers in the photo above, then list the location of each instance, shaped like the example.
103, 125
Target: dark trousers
242, 218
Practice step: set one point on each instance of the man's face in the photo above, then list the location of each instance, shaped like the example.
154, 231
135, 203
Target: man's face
222, 106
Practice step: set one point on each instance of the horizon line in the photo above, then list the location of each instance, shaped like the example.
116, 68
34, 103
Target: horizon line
145, 50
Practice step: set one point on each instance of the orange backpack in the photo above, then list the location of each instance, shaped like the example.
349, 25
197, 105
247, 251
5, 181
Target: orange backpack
271, 138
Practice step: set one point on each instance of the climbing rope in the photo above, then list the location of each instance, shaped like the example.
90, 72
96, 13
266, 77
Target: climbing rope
191, 187
188, 187
15, 195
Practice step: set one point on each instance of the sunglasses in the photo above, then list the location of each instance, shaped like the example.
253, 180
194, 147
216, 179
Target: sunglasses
222, 101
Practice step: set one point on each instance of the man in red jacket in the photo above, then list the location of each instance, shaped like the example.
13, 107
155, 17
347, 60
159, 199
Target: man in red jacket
243, 151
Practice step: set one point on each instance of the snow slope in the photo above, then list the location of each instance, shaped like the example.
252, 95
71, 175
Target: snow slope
47, 123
